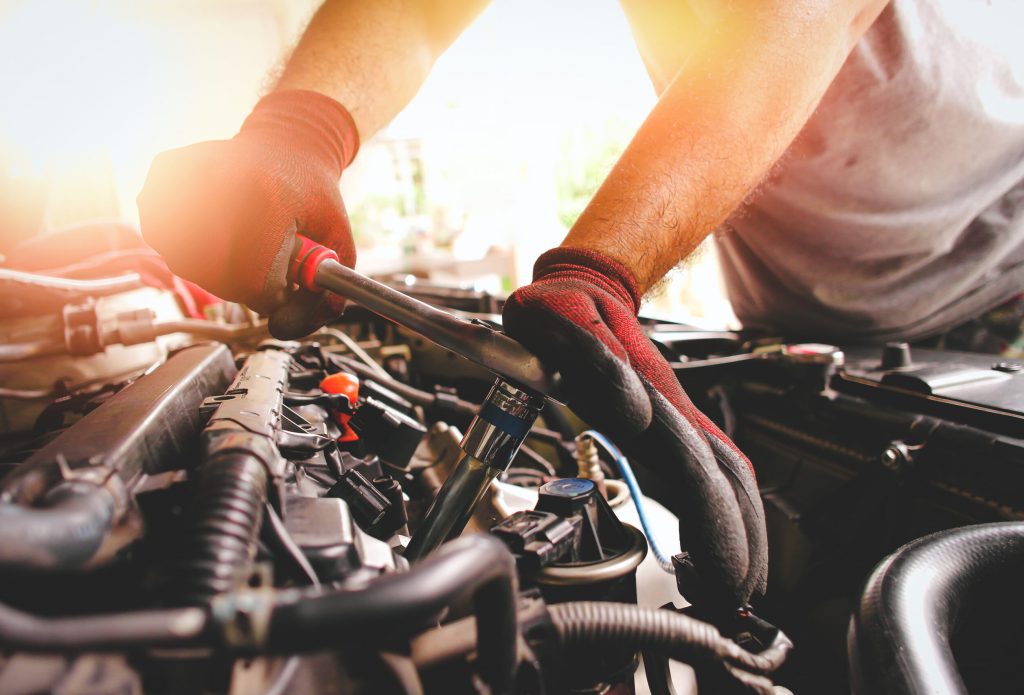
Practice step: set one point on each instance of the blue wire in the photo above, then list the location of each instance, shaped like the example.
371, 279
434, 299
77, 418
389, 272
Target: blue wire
664, 561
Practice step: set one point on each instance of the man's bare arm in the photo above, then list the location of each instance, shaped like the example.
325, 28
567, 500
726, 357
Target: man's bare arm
373, 55
750, 79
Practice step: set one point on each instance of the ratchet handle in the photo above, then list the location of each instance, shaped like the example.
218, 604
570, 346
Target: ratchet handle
476, 342
307, 255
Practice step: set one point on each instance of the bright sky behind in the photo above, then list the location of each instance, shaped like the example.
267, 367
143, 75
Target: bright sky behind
94, 89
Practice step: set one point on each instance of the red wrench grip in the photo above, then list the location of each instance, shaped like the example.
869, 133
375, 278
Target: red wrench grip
307, 255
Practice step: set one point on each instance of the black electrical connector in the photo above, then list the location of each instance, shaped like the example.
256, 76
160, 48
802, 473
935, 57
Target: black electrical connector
388, 432
396, 516
601, 534
538, 539
571, 525
368, 505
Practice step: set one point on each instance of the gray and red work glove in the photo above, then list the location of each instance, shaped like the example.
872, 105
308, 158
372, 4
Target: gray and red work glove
224, 213
580, 316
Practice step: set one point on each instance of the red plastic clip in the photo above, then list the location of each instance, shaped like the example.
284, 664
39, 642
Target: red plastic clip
347, 385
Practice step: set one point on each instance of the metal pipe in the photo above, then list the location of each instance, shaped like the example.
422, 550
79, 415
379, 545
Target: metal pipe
99, 286
174, 627
134, 333
356, 349
226, 332
15, 352
411, 393
27, 394
476, 342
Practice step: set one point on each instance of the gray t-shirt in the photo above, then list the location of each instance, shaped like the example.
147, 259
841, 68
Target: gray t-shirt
899, 210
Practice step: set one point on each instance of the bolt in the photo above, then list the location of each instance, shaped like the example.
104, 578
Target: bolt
892, 457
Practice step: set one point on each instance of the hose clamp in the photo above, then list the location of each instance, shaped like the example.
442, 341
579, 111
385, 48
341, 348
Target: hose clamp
244, 618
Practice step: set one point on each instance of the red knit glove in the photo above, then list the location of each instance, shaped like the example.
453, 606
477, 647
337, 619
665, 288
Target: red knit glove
224, 213
580, 316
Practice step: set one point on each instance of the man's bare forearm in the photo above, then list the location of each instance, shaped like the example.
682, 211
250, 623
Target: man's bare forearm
373, 55
734, 106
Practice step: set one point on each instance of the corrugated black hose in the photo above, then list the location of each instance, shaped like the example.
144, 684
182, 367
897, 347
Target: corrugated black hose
230, 487
585, 625
222, 527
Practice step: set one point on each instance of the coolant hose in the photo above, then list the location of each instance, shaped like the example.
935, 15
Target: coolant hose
64, 533
586, 624
899, 637
400, 605
222, 527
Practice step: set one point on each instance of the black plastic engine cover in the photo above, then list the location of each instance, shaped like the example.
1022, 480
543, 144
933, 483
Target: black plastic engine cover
149, 427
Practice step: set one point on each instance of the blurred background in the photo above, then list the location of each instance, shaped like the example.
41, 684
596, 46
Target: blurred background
489, 166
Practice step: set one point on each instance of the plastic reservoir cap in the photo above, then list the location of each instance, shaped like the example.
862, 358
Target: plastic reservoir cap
347, 385
816, 353
566, 496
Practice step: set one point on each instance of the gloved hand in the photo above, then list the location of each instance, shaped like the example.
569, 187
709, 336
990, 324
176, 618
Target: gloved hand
579, 316
224, 213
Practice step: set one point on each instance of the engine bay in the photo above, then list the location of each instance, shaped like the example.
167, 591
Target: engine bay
190, 506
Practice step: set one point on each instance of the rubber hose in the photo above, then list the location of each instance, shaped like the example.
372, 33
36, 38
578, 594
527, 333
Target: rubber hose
65, 533
221, 528
401, 605
584, 624
899, 637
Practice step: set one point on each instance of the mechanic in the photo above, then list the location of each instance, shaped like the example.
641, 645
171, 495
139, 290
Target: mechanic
895, 214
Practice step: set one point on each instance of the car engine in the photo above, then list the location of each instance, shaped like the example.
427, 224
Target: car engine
190, 506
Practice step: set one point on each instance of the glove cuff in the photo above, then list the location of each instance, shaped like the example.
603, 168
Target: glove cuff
306, 120
590, 266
